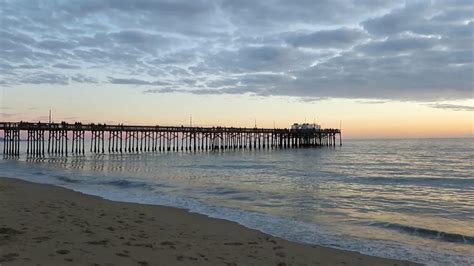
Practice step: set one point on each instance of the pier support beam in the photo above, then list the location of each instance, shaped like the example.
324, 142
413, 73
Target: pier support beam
78, 141
57, 141
97, 141
11, 142
35, 142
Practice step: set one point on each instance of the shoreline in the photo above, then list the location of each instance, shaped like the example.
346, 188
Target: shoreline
50, 225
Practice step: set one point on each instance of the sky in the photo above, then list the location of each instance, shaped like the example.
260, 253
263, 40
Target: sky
379, 68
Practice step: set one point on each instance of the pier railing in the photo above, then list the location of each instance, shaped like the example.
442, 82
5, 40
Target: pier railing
70, 138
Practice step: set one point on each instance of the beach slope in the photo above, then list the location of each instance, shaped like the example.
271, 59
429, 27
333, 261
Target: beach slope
48, 225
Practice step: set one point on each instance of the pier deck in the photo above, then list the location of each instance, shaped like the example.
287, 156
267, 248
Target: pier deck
70, 138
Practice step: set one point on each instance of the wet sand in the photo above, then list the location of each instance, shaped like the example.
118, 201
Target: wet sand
48, 225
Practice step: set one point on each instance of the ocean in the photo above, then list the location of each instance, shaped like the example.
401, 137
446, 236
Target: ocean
407, 199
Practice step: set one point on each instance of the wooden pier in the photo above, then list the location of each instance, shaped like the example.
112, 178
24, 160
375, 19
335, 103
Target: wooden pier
61, 139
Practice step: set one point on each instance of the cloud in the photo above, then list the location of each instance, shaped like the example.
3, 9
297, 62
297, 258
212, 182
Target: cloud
343, 37
274, 15
453, 107
30, 66
139, 41
372, 101
8, 115
384, 50
398, 20
65, 66
46, 78
397, 45
259, 58
133, 81
174, 90
80, 78
135, 37
54, 45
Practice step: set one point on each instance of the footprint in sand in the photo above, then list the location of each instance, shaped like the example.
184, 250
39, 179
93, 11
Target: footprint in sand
169, 244
99, 242
281, 254
270, 240
9, 257
88, 231
40, 239
63, 251
9, 231
233, 244
122, 254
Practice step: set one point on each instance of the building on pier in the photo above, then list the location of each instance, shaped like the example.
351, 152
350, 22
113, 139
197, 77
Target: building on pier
305, 126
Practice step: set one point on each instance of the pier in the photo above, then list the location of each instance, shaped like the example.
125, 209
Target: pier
63, 139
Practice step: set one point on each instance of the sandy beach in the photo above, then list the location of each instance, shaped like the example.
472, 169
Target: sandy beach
48, 225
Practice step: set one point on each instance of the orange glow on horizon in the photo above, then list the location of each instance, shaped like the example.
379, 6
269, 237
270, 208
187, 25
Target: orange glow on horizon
359, 119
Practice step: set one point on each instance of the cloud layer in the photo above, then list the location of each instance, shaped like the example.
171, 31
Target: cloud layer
417, 50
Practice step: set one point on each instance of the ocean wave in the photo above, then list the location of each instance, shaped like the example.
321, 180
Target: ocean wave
425, 232
122, 183
438, 181
224, 191
67, 179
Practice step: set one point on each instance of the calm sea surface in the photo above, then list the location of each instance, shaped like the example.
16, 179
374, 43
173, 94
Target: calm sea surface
406, 199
